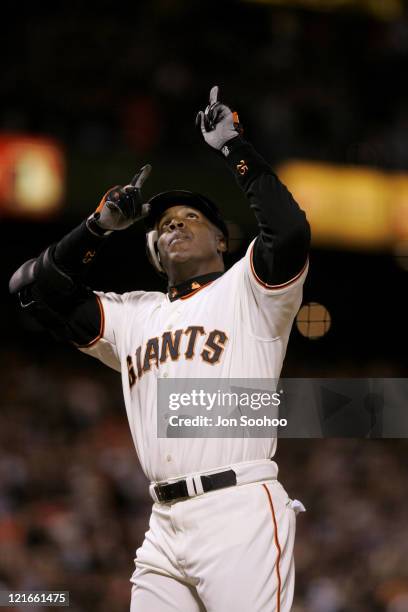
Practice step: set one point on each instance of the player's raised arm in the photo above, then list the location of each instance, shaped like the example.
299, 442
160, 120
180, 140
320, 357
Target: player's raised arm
51, 288
281, 249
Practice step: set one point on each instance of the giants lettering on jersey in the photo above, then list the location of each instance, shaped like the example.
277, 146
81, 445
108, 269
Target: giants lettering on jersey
172, 345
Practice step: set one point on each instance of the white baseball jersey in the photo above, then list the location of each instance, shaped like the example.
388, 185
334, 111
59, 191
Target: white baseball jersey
232, 327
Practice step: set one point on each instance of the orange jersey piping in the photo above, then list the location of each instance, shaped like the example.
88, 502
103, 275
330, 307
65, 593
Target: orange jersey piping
185, 297
101, 326
272, 287
275, 526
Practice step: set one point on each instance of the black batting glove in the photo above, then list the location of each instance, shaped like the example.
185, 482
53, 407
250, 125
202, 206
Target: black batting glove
120, 207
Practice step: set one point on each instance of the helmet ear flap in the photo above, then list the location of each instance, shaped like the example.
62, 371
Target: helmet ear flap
153, 251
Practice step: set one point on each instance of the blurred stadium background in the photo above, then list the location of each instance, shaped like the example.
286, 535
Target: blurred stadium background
88, 94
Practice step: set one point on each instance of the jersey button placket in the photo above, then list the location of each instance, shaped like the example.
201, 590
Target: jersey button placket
170, 325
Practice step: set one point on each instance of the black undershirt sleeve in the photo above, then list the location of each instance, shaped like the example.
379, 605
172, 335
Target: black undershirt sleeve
75, 252
85, 321
79, 311
282, 245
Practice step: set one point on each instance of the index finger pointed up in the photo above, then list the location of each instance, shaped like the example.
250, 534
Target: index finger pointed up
214, 94
141, 176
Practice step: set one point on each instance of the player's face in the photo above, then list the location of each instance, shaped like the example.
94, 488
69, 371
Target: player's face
189, 244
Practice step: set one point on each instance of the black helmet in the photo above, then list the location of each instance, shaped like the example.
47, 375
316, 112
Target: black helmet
162, 201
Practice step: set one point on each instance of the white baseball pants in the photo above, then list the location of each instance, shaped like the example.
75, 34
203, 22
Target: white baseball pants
226, 550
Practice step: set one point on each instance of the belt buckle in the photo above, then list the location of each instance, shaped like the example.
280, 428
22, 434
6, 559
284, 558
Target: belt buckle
158, 491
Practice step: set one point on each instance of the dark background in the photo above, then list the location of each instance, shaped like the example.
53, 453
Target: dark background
119, 87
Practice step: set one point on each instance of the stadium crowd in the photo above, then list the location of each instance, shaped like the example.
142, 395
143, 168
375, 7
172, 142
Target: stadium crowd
74, 504
111, 81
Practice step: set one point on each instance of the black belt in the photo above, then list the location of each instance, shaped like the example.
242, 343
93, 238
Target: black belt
170, 491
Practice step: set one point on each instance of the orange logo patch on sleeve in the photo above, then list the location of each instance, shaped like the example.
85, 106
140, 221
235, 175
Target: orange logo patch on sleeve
88, 257
242, 167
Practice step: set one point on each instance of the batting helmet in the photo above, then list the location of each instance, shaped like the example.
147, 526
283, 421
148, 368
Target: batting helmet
161, 202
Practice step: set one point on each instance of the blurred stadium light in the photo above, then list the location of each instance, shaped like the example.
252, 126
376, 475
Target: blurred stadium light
313, 320
383, 9
350, 207
32, 176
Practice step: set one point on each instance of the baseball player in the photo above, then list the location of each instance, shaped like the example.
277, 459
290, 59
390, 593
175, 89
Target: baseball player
222, 527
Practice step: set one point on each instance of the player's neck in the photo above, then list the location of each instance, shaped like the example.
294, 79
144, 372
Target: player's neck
191, 270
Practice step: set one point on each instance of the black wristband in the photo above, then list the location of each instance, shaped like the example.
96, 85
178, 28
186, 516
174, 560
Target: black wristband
246, 164
94, 227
